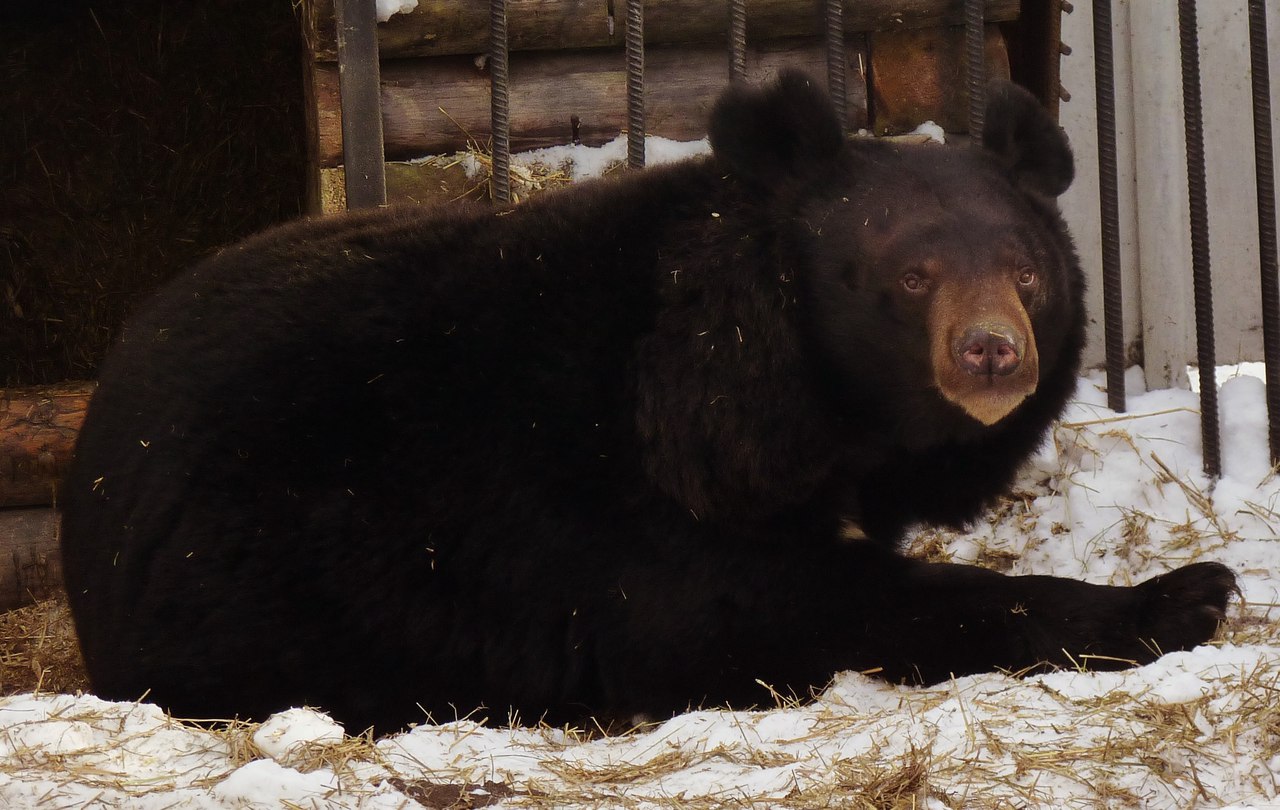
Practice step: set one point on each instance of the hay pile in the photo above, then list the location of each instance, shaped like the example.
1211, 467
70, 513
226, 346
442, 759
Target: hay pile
38, 650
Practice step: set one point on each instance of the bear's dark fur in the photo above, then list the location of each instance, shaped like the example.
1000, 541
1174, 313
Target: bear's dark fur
624, 449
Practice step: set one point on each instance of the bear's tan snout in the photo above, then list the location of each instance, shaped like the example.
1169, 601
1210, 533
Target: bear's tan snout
984, 349
989, 349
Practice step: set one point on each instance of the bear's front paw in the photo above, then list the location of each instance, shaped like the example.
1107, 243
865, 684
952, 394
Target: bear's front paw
1182, 609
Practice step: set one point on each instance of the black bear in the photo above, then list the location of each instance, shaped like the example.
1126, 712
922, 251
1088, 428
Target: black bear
636, 446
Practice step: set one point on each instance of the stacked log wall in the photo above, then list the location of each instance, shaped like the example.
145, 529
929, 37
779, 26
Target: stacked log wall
904, 65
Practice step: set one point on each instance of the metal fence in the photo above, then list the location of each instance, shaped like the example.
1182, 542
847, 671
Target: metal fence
1197, 264
366, 186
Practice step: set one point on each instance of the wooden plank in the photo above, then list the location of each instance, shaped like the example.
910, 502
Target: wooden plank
434, 106
30, 560
1035, 50
919, 75
38, 428
453, 27
360, 103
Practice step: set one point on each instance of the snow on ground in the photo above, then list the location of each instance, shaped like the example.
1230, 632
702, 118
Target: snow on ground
386, 9
1112, 498
580, 162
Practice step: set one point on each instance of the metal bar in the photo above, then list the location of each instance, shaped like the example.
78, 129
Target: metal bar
836, 61
499, 101
359, 85
976, 60
1264, 169
1109, 204
635, 84
1205, 356
737, 41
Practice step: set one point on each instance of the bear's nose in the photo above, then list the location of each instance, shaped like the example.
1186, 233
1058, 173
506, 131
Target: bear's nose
990, 349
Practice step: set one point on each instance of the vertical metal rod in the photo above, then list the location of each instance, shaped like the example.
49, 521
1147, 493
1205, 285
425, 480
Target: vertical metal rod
737, 41
1201, 280
1264, 169
635, 84
836, 61
1109, 204
359, 85
499, 101
975, 58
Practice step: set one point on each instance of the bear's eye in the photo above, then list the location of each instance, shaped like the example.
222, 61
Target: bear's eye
1027, 277
914, 282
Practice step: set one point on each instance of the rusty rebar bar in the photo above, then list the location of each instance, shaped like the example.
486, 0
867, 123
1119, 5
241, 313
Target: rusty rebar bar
737, 41
1264, 170
976, 63
1109, 204
500, 101
1188, 39
836, 61
635, 84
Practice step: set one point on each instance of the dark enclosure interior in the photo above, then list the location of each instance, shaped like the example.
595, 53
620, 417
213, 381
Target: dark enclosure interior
135, 137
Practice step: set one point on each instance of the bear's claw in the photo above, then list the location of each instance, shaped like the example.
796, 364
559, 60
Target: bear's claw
1183, 608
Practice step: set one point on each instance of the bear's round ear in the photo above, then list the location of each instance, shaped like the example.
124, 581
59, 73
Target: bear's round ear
767, 134
1029, 142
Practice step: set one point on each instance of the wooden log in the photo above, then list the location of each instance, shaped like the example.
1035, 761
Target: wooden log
30, 561
359, 91
919, 75
435, 106
453, 27
38, 428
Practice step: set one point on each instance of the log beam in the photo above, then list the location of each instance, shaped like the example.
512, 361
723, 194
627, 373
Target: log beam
38, 428
919, 76
456, 27
435, 106
30, 561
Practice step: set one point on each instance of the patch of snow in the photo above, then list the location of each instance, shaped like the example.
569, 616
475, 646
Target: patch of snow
265, 782
287, 734
389, 8
931, 130
580, 162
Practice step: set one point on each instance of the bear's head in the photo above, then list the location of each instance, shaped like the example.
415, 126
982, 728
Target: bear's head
939, 283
